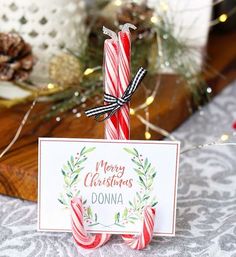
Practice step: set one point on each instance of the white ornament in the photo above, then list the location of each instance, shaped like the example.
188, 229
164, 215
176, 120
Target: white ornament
50, 26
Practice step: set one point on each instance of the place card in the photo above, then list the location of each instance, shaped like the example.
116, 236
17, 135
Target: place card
116, 179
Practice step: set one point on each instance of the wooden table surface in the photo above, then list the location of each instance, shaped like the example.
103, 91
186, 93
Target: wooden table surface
18, 168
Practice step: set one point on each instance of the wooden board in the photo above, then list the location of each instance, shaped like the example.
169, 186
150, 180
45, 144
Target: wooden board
18, 168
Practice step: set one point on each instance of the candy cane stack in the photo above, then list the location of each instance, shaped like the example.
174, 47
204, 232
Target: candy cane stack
116, 79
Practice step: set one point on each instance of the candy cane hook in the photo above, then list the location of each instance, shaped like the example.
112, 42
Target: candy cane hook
109, 33
127, 27
79, 233
140, 241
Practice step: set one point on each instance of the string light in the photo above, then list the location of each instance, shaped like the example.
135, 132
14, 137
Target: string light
78, 115
223, 17
164, 6
147, 135
209, 90
131, 111
51, 86
149, 100
58, 119
88, 71
224, 137
154, 19
220, 142
118, 2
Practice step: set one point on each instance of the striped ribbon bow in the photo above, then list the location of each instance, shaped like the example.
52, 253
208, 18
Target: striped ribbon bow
115, 103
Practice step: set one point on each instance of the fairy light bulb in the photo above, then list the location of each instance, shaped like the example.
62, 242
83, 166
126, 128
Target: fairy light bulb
51, 86
154, 19
132, 111
88, 71
149, 100
147, 135
209, 90
164, 6
224, 137
118, 2
223, 17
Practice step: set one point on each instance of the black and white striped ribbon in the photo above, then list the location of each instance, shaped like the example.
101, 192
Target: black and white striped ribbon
115, 103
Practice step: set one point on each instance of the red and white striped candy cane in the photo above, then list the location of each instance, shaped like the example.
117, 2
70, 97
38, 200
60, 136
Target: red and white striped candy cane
124, 40
140, 241
79, 233
110, 64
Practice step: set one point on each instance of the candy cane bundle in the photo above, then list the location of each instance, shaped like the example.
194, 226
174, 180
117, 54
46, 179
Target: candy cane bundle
116, 79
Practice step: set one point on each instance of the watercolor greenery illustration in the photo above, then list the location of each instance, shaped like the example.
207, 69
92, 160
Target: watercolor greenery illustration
146, 174
145, 171
71, 171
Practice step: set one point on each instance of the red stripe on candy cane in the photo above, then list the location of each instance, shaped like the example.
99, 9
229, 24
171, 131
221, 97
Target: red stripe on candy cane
123, 82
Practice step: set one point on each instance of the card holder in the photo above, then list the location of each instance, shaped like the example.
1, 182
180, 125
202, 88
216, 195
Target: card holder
86, 241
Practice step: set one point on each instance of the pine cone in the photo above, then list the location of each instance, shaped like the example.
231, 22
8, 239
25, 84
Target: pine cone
16, 58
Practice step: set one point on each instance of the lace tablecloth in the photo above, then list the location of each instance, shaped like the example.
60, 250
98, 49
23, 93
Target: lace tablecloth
206, 207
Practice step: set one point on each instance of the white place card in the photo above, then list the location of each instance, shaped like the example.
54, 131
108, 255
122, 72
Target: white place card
115, 179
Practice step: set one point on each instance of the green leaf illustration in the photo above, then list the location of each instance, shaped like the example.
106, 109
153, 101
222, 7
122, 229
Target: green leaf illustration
88, 150
82, 150
69, 165
137, 163
154, 175
72, 160
78, 170
61, 201
125, 213
69, 194
142, 182
65, 168
155, 203
94, 224
131, 204
145, 163
117, 217
74, 179
89, 212
81, 161
136, 152
130, 151
67, 180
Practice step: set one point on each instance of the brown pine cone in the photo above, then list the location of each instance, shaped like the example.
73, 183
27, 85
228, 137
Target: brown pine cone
16, 58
